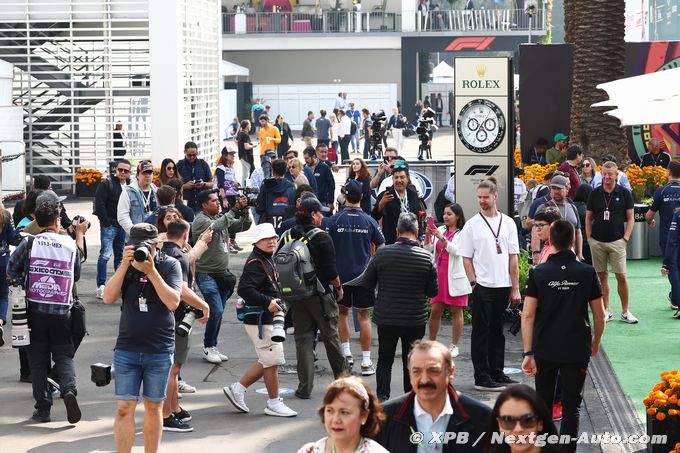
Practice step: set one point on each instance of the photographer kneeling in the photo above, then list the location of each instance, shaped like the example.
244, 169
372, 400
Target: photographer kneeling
150, 283
48, 265
190, 309
261, 293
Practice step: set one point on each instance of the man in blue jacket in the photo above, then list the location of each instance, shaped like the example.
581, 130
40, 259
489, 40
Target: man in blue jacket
277, 196
324, 178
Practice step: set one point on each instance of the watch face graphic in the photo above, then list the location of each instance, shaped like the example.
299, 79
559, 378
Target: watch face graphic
481, 126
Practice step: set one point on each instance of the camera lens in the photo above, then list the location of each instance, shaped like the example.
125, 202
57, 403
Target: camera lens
141, 254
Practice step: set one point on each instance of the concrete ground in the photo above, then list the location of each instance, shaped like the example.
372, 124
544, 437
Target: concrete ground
218, 426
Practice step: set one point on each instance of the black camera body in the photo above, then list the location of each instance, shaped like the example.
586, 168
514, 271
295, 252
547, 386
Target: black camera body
142, 252
81, 219
514, 315
377, 127
101, 374
250, 193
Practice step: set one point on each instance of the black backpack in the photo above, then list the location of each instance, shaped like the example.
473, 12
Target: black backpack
353, 128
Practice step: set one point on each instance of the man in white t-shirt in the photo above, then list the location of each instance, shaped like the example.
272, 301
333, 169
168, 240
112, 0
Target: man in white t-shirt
490, 249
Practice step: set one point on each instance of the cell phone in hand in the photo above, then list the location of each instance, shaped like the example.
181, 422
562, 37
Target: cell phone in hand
430, 223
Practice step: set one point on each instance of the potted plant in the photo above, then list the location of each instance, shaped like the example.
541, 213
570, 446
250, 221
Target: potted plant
644, 181
663, 413
87, 181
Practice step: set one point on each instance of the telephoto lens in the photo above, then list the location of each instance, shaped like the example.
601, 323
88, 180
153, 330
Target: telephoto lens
21, 335
278, 331
142, 253
184, 326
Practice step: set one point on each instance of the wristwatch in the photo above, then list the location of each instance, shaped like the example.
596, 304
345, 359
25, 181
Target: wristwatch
473, 282
528, 353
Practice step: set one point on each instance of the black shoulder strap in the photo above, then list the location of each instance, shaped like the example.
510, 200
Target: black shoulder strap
29, 244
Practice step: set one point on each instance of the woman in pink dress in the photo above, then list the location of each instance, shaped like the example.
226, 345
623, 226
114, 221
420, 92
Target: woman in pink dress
454, 286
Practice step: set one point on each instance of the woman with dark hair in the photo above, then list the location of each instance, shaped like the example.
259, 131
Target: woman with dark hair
351, 413
286, 134
581, 201
519, 412
29, 208
225, 174
454, 285
359, 171
168, 171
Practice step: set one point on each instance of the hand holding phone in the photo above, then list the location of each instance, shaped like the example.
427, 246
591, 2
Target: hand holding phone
430, 223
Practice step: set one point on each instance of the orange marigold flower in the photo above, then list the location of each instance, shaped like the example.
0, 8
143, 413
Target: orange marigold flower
660, 416
651, 411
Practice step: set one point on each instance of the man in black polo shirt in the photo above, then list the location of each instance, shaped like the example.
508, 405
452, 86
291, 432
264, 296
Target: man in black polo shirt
555, 327
609, 207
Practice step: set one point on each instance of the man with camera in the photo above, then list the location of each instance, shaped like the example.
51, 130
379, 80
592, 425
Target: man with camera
263, 318
195, 173
191, 308
149, 283
384, 169
213, 277
47, 266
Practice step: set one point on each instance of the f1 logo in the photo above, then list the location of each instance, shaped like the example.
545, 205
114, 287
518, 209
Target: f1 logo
470, 43
487, 170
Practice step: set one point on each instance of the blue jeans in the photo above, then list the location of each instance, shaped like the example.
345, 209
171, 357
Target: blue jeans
216, 298
354, 140
134, 368
674, 279
113, 242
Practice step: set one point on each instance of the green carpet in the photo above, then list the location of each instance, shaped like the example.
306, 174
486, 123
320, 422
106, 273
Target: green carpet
640, 352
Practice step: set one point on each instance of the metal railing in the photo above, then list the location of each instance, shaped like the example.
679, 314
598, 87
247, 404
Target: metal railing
323, 22
479, 20
377, 22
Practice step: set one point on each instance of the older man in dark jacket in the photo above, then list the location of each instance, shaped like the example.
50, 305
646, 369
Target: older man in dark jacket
405, 276
433, 408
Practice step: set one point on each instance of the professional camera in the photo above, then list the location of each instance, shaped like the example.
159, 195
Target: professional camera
185, 325
250, 193
375, 141
514, 315
142, 252
101, 374
278, 331
21, 334
426, 123
81, 219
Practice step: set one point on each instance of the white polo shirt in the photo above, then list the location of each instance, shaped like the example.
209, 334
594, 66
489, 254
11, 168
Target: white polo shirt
426, 426
478, 242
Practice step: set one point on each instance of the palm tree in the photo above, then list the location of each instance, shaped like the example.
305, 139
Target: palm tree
596, 29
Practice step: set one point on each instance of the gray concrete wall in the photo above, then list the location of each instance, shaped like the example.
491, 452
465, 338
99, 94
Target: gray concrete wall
320, 66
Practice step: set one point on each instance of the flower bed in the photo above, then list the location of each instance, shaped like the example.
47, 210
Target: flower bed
663, 412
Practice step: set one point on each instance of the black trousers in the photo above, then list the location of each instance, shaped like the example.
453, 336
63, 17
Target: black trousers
388, 336
344, 147
50, 336
488, 341
572, 377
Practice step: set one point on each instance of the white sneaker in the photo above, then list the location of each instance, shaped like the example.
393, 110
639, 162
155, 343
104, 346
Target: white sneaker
609, 316
212, 355
183, 387
279, 410
223, 357
629, 318
453, 349
100, 292
236, 398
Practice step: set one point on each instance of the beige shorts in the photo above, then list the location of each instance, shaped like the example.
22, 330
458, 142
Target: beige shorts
269, 353
614, 252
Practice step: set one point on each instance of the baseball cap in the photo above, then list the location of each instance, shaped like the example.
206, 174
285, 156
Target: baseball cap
49, 196
143, 232
264, 231
311, 204
353, 188
560, 136
226, 151
144, 166
559, 181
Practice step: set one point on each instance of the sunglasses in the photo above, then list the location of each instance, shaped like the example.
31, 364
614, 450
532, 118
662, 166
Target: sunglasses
399, 164
170, 168
526, 421
123, 170
586, 165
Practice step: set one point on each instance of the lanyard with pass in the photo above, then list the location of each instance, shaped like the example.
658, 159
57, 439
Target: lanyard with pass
497, 233
605, 215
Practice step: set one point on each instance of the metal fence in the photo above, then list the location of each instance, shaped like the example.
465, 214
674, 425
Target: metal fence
377, 22
323, 22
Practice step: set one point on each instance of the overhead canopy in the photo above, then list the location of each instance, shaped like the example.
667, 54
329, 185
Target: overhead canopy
230, 70
646, 99
442, 70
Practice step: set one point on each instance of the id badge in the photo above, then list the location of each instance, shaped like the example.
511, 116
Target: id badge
605, 216
143, 307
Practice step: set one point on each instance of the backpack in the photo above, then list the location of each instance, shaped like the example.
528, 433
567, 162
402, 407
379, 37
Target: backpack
523, 207
353, 128
297, 275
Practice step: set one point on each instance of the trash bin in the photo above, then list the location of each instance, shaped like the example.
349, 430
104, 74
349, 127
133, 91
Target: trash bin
638, 245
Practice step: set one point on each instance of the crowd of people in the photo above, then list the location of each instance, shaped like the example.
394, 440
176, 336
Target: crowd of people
315, 258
